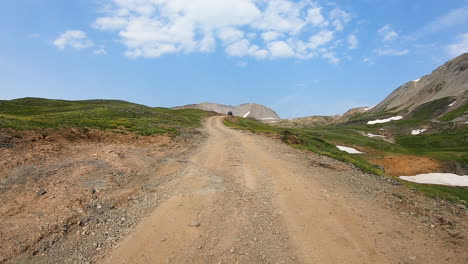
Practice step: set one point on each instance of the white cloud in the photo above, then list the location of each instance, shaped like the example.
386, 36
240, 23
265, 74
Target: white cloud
280, 49
245, 48
459, 47
229, 35
339, 18
314, 16
353, 41
255, 28
76, 39
240, 48
454, 17
110, 23
100, 51
321, 38
392, 52
387, 33
281, 16
271, 35
331, 56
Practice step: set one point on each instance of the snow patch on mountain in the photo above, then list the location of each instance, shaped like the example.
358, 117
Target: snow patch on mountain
438, 178
349, 150
417, 131
381, 121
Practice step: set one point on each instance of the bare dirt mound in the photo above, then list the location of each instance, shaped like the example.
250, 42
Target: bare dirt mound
67, 195
400, 165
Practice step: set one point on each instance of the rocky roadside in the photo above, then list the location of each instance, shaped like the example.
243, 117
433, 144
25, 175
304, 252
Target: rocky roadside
70, 200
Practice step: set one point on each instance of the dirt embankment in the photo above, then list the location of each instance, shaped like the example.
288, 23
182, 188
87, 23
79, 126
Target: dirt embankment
68, 195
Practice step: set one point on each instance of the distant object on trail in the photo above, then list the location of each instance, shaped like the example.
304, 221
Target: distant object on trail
230, 113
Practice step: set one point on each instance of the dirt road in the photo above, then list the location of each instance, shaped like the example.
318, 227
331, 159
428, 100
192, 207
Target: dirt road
244, 198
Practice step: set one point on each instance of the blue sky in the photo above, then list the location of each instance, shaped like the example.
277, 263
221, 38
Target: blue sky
299, 57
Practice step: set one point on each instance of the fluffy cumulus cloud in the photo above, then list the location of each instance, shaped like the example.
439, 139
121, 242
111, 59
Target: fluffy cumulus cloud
243, 28
460, 47
387, 33
388, 37
76, 39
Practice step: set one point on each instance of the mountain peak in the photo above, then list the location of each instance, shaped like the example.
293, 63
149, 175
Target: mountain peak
247, 110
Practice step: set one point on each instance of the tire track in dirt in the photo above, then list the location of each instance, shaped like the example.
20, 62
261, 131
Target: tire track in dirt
244, 198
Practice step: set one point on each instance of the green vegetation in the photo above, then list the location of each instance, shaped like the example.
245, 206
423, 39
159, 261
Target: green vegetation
450, 144
431, 109
250, 124
304, 139
441, 192
460, 111
34, 113
446, 145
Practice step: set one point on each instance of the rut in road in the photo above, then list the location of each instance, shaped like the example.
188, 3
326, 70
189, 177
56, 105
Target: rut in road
244, 198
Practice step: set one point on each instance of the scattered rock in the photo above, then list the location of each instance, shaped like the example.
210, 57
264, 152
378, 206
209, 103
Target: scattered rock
194, 224
41, 192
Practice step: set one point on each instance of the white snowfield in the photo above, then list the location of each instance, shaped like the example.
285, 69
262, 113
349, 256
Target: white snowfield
452, 103
268, 118
374, 136
417, 131
438, 178
350, 150
381, 121
368, 108
246, 115
417, 80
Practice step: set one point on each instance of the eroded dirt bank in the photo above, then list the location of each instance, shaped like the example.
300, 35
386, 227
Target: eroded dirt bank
235, 198
67, 196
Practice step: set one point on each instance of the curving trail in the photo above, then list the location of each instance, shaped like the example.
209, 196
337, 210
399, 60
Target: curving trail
244, 198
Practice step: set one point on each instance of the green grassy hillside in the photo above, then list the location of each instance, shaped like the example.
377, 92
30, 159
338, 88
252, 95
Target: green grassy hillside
445, 145
120, 116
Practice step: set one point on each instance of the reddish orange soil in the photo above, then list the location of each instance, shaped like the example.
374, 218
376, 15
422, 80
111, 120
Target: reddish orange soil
406, 165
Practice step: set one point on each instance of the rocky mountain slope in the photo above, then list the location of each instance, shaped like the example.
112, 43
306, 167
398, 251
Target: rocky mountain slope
450, 79
259, 112
309, 121
441, 95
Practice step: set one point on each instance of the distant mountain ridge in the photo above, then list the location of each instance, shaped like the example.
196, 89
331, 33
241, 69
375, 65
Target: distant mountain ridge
450, 79
443, 91
257, 111
303, 122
